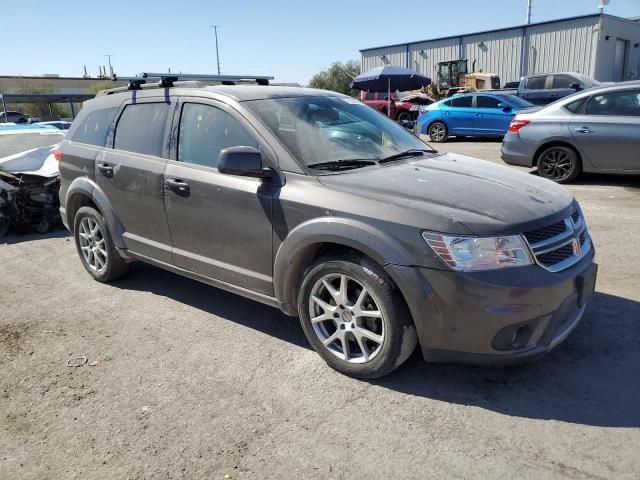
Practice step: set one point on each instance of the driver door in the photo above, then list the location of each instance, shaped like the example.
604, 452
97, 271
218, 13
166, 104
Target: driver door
220, 224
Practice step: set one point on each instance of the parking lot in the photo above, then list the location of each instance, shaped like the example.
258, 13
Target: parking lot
186, 381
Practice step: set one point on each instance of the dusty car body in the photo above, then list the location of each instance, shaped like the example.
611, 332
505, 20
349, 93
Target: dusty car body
29, 178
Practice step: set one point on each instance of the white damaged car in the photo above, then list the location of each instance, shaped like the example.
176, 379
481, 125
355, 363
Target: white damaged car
29, 178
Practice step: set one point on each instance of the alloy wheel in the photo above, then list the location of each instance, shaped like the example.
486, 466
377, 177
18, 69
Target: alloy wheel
556, 164
437, 132
92, 244
346, 318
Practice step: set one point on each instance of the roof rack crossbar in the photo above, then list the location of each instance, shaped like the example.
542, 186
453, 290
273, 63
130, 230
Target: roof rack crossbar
167, 79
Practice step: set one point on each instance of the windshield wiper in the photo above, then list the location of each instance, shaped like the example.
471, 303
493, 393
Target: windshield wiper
413, 152
339, 164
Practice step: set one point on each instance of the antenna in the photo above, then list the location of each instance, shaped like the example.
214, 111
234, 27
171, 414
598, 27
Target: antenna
215, 32
603, 3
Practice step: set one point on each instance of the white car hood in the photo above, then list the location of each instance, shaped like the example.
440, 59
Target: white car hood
37, 161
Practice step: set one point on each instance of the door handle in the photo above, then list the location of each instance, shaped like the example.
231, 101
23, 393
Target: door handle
178, 186
553, 94
584, 130
106, 169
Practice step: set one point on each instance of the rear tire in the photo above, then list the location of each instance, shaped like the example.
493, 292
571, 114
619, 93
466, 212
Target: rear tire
438, 132
95, 246
559, 164
361, 326
403, 116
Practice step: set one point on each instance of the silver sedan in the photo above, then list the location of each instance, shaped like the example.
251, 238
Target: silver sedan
597, 130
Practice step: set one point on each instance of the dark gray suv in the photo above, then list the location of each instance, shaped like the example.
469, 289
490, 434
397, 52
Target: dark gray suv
314, 203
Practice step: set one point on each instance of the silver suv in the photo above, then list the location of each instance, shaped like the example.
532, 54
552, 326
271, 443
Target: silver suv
314, 203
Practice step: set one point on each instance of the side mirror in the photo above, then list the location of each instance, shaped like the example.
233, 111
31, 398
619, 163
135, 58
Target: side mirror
243, 162
576, 87
504, 107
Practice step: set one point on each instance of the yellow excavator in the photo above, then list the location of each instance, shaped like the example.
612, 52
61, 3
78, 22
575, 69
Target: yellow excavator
453, 77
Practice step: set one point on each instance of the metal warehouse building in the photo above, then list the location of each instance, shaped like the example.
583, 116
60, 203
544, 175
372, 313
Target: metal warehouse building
604, 47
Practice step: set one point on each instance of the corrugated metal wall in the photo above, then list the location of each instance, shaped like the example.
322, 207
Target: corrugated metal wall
562, 47
565, 45
424, 57
393, 56
623, 30
496, 52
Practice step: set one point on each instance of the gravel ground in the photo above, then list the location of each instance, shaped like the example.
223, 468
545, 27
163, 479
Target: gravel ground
186, 381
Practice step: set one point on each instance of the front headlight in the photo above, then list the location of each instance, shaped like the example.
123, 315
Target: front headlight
469, 254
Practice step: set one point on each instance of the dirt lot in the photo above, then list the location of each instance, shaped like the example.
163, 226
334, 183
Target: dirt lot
186, 381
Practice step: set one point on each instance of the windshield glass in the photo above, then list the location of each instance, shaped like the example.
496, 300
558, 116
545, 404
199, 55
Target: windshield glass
11, 143
329, 129
517, 101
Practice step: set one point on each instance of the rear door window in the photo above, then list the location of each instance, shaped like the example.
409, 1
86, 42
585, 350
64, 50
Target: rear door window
536, 83
141, 128
483, 101
563, 81
205, 131
624, 103
93, 130
461, 102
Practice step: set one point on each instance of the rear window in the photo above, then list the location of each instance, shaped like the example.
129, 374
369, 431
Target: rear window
563, 81
141, 128
461, 102
11, 143
93, 130
536, 83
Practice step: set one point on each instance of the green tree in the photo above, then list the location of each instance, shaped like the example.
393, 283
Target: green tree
337, 77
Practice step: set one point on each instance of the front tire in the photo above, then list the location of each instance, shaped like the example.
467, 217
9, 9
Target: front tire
95, 246
560, 164
438, 132
353, 316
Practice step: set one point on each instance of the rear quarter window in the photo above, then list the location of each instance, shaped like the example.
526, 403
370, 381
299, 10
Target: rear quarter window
94, 128
141, 128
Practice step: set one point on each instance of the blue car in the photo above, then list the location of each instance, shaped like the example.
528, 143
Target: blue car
470, 115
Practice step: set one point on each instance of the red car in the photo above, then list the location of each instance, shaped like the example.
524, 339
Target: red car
401, 103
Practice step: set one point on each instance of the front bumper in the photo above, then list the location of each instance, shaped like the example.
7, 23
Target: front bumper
515, 151
496, 317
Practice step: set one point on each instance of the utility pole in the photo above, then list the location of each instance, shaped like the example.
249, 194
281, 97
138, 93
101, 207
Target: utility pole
110, 67
603, 3
528, 12
215, 32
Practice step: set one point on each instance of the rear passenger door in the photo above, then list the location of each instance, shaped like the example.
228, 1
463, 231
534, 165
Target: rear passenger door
607, 130
535, 89
130, 175
460, 115
220, 224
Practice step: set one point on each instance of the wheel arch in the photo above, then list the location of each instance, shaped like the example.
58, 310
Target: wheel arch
85, 192
311, 240
555, 143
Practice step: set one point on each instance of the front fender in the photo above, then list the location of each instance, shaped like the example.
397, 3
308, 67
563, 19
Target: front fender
294, 254
86, 187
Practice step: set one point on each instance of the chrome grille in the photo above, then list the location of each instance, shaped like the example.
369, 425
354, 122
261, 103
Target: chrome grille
561, 244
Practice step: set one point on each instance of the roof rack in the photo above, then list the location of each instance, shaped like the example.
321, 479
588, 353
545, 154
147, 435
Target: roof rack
166, 80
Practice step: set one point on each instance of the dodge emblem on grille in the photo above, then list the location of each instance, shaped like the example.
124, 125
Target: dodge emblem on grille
575, 243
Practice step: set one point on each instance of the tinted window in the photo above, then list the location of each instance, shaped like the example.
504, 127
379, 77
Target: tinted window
536, 83
447, 103
487, 102
563, 81
573, 107
205, 131
141, 128
624, 103
461, 102
517, 101
94, 129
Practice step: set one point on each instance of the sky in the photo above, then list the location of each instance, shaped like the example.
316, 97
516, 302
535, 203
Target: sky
291, 40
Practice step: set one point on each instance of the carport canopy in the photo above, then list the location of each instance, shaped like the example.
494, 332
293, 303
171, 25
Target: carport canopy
44, 98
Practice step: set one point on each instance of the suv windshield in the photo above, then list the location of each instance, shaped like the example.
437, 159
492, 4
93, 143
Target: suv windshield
317, 130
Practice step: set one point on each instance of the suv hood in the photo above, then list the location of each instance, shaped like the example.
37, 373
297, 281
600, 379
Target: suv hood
455, 194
